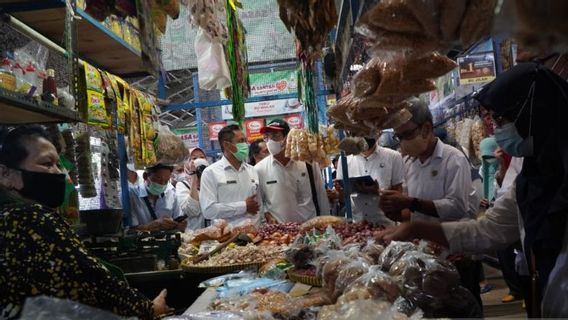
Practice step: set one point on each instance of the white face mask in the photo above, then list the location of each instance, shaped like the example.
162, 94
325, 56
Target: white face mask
274, 147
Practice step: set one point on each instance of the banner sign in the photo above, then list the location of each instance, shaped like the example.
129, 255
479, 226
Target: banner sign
294, 120
214, 128
189, 137
266, 108
252, 129
268, 84
477, 68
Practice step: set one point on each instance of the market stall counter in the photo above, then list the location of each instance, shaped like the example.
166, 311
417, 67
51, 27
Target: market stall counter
331, 269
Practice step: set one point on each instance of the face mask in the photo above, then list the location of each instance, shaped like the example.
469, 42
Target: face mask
274, 147
47, 189
156, 188
414, 147
490, 160
509, 139
242, 151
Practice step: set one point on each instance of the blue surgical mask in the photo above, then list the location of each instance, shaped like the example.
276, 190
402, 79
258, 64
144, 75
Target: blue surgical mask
509, 139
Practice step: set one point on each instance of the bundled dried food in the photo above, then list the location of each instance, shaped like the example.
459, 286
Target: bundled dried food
365, 82
394, 251
477, 21
451, 16
413, 44
373, 250
320, 223
170, 149
427, 12
347, 274
309, 21
330, 270
219, 230
374, 284
210, 15
394, 15
234, 255
361, 310
430, 66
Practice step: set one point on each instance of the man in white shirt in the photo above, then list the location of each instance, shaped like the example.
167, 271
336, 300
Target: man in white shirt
438, 179
286, 185
386, 167
229, 187
438, 176
154, 205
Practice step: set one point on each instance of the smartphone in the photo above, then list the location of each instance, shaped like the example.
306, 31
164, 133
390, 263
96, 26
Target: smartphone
181, 218
358, 182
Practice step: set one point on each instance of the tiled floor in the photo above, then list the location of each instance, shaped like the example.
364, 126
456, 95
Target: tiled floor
492, 306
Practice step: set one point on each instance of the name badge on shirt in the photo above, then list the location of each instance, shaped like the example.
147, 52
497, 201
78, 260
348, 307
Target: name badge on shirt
271, 182
232, 182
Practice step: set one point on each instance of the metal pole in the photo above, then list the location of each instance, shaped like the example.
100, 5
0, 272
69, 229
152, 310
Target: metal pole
346, 187
198, 119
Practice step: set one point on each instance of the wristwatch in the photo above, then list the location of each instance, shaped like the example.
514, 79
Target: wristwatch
414, 205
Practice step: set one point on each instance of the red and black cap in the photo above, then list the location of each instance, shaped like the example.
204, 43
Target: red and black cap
276, 125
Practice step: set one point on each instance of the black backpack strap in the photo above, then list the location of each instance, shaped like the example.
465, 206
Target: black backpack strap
150, 208
313, 187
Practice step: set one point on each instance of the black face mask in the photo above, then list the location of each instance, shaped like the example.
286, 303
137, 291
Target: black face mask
370, 142
47, 189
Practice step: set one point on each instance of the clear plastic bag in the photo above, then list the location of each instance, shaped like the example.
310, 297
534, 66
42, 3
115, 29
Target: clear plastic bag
373, 250
170, 149
365, 82
394, 251
49, 308
211, 63
360, 310
349, 273
374, 284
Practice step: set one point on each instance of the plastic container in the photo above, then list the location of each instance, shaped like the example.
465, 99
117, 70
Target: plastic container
7, 77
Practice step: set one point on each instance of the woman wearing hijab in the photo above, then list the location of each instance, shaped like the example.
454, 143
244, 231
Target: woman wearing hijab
40, 253
529, 104
187, 188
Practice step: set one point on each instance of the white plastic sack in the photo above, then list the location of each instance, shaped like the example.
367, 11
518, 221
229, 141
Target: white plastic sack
213, 71
554, 302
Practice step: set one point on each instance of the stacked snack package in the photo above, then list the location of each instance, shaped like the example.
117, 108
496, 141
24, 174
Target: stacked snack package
302, 145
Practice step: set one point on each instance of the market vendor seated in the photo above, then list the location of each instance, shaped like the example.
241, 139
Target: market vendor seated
154, 206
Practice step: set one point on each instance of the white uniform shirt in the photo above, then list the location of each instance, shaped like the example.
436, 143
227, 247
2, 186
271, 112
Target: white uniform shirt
387, 168
497, 229
286, 190
515, 167
165, 206
445, 179
224, 190
189, 206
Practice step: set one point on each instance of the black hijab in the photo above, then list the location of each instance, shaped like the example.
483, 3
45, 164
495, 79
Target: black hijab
542, 185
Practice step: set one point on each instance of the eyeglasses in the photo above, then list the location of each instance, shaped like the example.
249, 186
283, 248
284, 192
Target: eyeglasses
407, 135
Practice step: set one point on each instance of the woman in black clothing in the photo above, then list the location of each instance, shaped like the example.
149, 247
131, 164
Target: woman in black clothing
39, 253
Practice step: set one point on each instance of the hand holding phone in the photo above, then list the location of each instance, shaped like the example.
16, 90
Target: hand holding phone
181, 218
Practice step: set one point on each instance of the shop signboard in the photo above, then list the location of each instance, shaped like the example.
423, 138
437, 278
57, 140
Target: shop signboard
189, 136
214, 128
267, 84
294, 120
252, 127
477, 68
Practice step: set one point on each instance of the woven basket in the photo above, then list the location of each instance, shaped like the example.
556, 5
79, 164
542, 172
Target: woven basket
220, 269
313, 281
